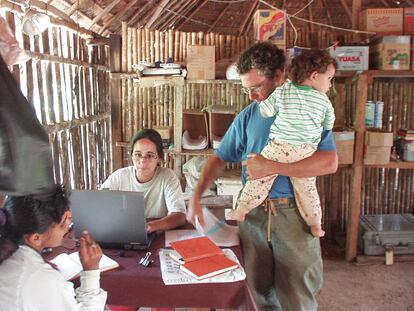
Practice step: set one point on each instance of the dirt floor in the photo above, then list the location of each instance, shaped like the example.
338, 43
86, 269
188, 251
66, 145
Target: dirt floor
365, 287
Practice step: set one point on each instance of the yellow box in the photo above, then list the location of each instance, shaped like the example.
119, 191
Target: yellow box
383, 20
270, 25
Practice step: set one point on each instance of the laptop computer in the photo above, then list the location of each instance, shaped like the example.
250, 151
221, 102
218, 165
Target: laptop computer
115, 219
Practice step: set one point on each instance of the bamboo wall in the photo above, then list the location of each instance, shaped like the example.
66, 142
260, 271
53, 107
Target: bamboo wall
67, 83
141, 44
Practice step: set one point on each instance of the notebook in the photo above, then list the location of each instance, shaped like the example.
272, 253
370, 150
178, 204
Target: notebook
115, 219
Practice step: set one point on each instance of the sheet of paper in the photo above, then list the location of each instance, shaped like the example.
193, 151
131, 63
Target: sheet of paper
67, 266
178, 235
172, 275
217, 230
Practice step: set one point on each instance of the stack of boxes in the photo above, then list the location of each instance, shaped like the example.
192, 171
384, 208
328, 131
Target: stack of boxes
378, 147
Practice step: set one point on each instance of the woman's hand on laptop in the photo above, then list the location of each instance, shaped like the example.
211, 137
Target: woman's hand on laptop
90, 252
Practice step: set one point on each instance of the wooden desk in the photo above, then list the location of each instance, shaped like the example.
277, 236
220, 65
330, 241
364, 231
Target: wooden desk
134, 285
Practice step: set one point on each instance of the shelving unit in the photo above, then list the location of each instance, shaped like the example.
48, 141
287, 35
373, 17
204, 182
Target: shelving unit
364, 79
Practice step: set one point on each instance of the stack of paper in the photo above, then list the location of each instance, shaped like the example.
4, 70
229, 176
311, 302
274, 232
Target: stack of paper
201, 258
194, 144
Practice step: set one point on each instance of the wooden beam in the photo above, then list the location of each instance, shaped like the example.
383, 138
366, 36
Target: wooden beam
385, 3
183, 12
347, 10
358, 169
115, 97
11, 7
168, 16
248, 17
328, 14
97, 41
117, 16
219, 17
137, 13
311, 25
200, 6
45, 8
157, 13
105, 11
356, 9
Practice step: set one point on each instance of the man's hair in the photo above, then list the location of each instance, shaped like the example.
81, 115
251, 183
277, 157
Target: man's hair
309, 61
151, 135
263, 56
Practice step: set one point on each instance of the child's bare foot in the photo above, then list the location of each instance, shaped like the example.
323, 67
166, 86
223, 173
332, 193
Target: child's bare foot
317, 231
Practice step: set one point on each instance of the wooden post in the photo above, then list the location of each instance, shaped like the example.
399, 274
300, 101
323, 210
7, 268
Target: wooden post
115, 97
358, 166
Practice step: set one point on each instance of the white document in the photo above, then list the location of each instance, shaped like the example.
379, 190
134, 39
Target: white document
178, 235
172, 275
218, 230
70, 266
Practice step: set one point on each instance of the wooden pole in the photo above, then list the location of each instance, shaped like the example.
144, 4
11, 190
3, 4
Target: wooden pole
355, 204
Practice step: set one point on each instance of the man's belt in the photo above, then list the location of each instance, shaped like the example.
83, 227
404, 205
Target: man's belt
283, 201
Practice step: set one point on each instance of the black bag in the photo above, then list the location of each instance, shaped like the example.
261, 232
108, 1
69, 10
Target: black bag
25, 155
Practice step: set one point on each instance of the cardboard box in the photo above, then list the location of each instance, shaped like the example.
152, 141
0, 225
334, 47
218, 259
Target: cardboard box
377, 155
344, 141
270, 25
386, 21
351, 57
219, 124
379, 139
201, 62
391, 53
409, 21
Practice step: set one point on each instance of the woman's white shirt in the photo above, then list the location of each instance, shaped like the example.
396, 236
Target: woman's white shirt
162, 194
28, 283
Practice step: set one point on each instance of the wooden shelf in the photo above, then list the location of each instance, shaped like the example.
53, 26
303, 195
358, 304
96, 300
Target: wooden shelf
376, 73
393, 164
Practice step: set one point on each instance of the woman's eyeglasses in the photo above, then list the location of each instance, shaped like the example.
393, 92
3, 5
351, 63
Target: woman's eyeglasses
148, 156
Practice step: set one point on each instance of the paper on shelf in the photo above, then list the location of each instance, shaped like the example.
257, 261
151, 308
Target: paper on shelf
172, 275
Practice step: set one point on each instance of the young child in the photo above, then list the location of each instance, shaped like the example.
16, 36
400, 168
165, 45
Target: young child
302, 111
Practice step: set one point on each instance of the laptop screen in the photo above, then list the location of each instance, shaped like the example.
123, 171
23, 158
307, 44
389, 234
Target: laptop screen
115, 219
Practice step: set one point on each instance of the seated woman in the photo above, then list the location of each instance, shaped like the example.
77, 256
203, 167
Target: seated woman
29, 224
162, 190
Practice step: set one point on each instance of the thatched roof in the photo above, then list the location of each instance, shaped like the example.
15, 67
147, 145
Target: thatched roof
222, 16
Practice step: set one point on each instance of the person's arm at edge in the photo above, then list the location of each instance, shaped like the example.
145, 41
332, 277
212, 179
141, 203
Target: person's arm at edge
168, 222
322, 162
211, 170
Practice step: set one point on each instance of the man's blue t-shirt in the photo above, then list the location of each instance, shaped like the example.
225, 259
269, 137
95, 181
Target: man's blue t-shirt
249, 133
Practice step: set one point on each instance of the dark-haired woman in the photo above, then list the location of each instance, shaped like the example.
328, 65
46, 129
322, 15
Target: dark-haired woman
162, 190
29, 224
